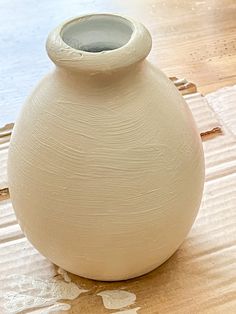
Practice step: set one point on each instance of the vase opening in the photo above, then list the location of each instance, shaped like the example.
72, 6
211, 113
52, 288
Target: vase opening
98, 43
97, 33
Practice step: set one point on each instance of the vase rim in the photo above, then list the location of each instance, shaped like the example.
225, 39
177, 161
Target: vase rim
98, 42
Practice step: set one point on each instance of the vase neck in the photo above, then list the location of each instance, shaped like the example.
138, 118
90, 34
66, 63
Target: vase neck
98, 43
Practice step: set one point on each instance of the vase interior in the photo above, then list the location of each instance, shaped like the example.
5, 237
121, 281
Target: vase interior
97, 33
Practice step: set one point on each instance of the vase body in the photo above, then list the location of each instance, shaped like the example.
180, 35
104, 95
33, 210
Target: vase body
106, 167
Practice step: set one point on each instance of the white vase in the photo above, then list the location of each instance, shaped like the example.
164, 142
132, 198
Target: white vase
106, 166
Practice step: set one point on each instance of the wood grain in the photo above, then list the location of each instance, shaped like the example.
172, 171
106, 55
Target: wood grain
192, 39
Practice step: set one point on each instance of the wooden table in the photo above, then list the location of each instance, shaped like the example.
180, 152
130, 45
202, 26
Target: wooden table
192, 39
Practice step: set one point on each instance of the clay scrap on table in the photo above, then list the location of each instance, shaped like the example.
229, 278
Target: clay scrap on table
184, 86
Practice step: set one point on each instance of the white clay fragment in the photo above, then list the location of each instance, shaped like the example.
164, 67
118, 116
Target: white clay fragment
180, 82
117, 299
64, 274
26, 292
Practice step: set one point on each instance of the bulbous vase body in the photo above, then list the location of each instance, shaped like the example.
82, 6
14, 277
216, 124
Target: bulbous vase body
106, 167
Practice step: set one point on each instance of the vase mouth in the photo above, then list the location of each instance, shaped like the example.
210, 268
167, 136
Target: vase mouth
97, 33
98, 43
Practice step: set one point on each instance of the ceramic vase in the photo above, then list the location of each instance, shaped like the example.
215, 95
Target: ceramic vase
106, 166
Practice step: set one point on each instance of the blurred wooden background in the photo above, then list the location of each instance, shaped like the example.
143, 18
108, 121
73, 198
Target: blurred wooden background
192, 39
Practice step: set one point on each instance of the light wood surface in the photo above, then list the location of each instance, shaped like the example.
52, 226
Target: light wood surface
192, 39
196, 39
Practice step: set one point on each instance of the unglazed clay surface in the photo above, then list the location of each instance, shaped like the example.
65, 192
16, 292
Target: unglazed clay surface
108, 154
